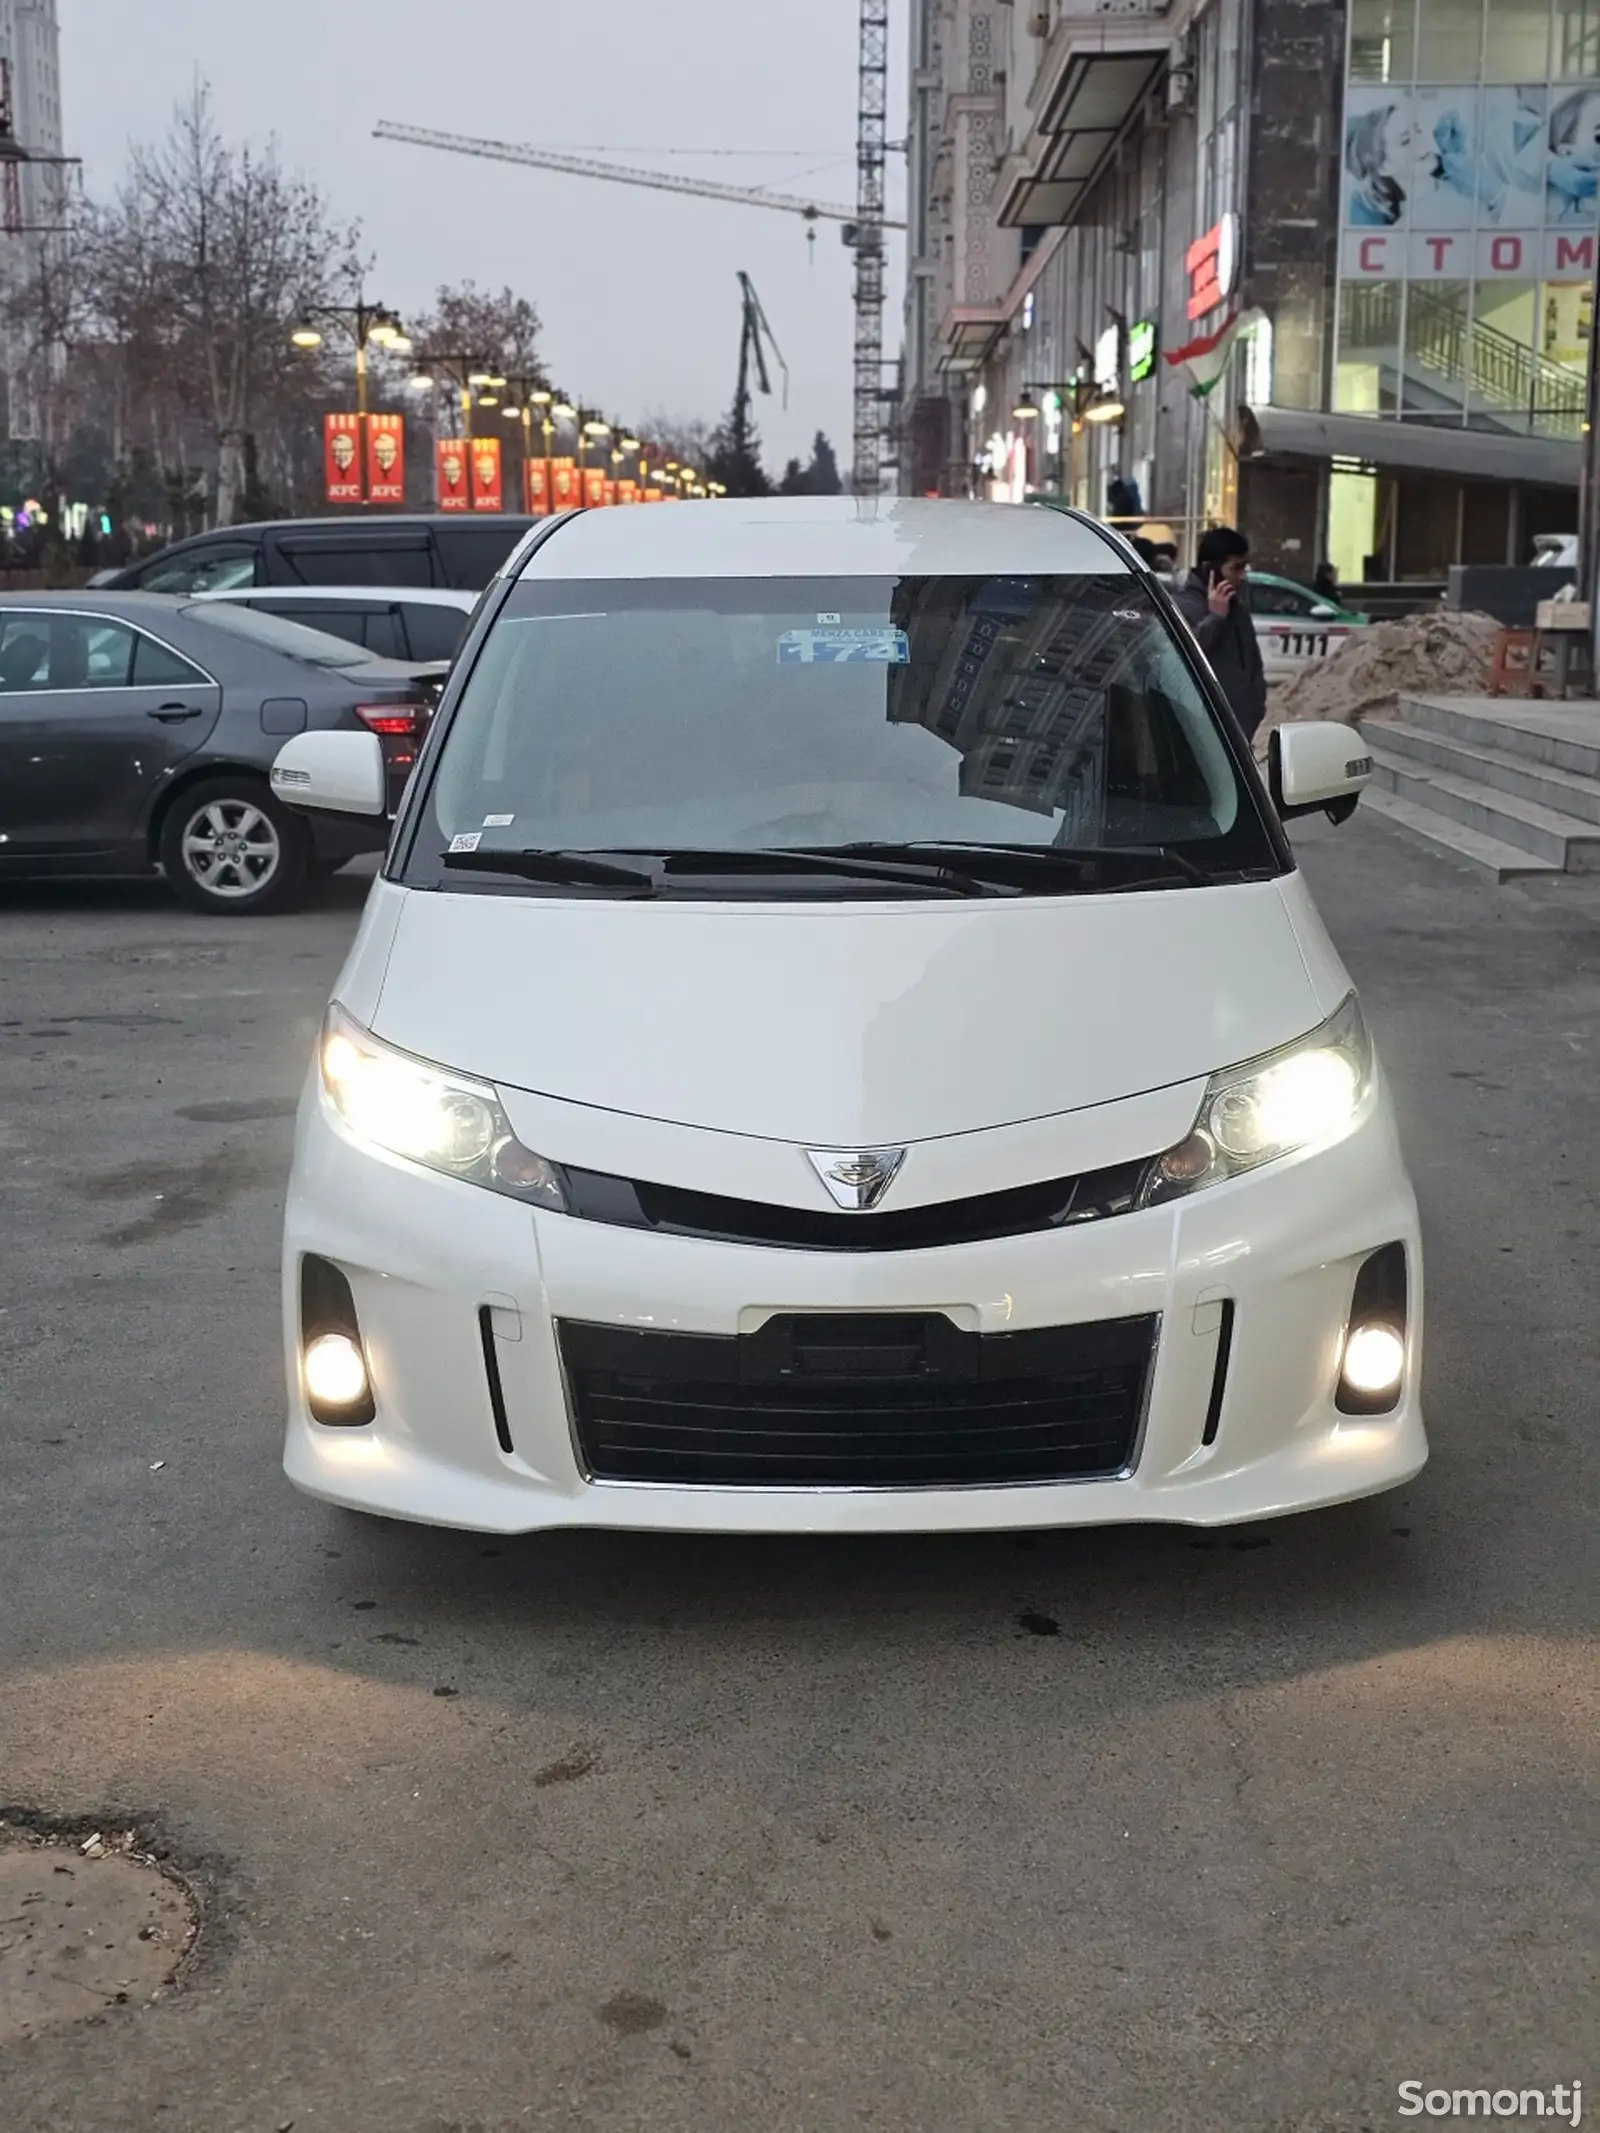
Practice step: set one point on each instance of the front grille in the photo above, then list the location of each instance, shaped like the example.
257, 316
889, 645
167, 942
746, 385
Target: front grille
1024, 1210
858, 1400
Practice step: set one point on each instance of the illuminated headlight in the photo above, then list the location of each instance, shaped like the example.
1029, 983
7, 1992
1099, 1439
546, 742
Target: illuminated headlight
1305, 1096
429, 1115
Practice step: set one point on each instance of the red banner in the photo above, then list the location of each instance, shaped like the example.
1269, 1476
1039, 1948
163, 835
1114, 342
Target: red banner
652, 496
594, 487
488, 480
564, 484
536, 488
341, 457
452, 464
386, 459
627, 492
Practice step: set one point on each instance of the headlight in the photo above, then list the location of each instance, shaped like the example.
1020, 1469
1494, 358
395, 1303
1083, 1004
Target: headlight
429, 1115
1305, 1096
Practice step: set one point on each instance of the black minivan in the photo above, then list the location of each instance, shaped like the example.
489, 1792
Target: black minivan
463, 553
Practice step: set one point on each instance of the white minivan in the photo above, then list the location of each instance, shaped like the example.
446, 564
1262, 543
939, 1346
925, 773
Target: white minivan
840, 1043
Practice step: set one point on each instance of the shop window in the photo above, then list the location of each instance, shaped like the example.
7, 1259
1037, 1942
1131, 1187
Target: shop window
1369, 347
1503, 371
1352, 522
1516, 41
1575, 40
1437, 355
1382, 40
1450, 39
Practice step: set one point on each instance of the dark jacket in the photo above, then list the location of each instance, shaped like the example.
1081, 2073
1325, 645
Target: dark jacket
1229, 642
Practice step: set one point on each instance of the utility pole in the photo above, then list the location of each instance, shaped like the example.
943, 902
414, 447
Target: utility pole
871, 155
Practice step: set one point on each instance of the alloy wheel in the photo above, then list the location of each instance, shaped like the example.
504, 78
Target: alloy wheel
231, 849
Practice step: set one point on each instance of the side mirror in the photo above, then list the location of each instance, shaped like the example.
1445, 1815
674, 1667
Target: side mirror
332, 773
1322, 612
1320, 766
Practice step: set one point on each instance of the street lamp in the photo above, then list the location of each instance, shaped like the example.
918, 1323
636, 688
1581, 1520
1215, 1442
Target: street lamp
367, 325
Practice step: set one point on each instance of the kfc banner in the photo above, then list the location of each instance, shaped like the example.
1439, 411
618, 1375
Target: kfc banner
386, 459
611, 490
488, 489
452, 467
627, 492
564, 485
341, 455
536, 488
594, 487
652, 496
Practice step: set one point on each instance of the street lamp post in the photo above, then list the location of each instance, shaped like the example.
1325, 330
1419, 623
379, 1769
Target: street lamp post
466, 373
367, 325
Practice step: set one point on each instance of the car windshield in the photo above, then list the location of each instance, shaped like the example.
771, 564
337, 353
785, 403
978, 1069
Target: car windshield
313, 648
1044, 715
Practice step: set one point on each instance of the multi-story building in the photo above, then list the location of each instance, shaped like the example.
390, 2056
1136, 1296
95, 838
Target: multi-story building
1397, 199
30, 47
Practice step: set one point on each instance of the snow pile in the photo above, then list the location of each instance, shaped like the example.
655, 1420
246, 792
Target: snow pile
1438, 652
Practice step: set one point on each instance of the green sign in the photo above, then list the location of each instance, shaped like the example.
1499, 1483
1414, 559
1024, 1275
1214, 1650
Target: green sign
1141, 350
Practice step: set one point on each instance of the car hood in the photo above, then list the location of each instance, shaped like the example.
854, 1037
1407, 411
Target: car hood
843, 1024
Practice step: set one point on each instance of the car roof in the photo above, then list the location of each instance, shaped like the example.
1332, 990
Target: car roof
405, 521
103, 598
822, 536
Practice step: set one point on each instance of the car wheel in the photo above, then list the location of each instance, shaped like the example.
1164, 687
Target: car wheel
226, 846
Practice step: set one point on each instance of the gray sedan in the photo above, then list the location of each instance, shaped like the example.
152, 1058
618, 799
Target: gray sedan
139, 729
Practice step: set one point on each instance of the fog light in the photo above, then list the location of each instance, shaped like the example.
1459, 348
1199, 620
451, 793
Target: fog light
1374, 1359
336, 1371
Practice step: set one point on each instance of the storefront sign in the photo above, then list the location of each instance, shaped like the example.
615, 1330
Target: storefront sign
488, 481
451, 458
386, 459
1459, 255
1108, 360
341, 456
1141, 350
1212, 262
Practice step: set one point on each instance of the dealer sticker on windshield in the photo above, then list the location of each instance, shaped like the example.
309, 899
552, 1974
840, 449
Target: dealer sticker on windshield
836, 645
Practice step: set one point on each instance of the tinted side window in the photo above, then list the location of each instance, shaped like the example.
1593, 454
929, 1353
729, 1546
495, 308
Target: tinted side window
382, 634
472, 554
360, 562
24, 650
346, 622
434, 632
156, 667
45, 651
218, 569
1278, 600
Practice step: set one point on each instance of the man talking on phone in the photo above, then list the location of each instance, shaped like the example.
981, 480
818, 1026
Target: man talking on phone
1217, 609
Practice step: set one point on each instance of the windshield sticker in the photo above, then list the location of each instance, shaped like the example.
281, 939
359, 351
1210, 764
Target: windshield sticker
468, 842
498, 822
830, 618
833, 646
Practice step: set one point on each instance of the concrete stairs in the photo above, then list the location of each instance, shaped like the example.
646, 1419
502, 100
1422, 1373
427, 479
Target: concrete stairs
1509, 786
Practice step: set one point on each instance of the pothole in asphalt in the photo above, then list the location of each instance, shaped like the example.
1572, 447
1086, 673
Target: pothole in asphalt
87, 1924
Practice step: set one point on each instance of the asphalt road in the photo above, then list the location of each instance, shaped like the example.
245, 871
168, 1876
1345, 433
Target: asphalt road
1126, 1832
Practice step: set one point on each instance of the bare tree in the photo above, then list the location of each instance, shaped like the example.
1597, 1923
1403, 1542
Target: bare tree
500, 327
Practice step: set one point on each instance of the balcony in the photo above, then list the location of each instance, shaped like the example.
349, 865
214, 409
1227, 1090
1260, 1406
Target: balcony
1101, 58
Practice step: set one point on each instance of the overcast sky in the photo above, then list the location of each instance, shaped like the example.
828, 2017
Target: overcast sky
636, 289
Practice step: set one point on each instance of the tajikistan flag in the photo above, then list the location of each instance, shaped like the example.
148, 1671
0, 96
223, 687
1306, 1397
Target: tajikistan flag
1206, 359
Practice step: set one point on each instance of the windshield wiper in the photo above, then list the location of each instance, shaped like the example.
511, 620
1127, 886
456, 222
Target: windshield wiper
898, 866
1045, 858
579, 869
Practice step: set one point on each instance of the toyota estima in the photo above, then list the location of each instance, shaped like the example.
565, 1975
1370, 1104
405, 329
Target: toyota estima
840, 1043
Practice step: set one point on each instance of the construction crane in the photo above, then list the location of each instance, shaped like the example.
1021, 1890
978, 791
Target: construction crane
872, 109
755, 338
666, 181
864, 225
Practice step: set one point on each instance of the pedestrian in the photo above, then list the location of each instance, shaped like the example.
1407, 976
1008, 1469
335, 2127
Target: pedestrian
1166, 559
1326, 583
1217, 608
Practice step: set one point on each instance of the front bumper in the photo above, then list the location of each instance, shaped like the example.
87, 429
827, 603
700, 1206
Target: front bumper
426, 1256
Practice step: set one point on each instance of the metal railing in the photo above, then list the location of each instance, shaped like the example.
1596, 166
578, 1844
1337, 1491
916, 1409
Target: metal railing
1486, 369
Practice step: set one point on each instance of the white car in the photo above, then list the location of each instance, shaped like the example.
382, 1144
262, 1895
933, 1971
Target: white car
420, 623
840, 1043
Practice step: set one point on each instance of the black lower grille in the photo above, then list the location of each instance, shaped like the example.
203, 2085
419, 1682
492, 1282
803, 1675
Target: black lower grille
862, 1400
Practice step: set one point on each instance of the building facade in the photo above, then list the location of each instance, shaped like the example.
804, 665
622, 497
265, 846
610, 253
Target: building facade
1383, 216
30, 47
